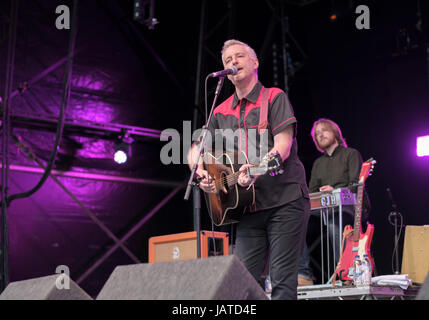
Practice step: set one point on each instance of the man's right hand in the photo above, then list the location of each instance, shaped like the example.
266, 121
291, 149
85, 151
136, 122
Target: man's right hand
326, 188
208, 183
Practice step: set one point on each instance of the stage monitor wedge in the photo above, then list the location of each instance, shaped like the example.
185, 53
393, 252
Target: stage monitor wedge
424, 290
212, 278
45, 288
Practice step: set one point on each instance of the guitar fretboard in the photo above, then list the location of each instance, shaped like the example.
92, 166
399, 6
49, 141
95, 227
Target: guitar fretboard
358, 213
232, 178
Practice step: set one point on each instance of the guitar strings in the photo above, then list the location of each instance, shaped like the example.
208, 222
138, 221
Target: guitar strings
229, 177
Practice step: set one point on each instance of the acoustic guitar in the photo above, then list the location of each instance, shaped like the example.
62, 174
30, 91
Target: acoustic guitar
231, 201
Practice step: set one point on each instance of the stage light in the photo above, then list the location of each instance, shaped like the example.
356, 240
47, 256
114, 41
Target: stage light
121, 155
123, 149
333, 17
423, 146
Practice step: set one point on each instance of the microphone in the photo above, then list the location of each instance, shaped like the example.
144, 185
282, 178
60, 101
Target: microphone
394, 206
232, 70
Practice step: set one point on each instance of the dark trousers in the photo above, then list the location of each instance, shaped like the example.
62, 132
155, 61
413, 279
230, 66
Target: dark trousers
278, 233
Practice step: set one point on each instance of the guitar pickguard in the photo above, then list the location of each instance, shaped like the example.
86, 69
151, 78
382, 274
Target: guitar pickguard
362, 246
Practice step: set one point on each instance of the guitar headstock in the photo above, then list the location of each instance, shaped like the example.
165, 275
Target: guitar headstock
367, 169
271, 163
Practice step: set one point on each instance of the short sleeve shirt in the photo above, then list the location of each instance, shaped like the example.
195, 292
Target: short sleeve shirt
241, 119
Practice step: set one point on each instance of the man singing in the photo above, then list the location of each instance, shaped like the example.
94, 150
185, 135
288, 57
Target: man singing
277, 224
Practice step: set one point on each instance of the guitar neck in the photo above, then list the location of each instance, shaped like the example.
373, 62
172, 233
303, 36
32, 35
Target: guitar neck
232, 178
358, 213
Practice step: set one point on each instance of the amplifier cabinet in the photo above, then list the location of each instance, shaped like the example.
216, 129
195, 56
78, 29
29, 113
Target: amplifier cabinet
183, 246
415, 258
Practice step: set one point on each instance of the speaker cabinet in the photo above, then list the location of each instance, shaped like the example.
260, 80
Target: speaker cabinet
183, 246
212, 278
415, 258
45, 288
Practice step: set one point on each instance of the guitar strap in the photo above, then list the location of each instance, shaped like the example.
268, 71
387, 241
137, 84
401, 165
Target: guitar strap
263, 113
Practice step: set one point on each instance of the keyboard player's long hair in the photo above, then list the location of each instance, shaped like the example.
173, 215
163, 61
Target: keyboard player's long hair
333, 127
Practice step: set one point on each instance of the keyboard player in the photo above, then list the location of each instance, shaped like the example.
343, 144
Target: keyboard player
338, 167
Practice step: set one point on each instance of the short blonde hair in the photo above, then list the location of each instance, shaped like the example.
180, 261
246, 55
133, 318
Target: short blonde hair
333, 127
233, 42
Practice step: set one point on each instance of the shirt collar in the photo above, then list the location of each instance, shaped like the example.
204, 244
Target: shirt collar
336, 150
252, 96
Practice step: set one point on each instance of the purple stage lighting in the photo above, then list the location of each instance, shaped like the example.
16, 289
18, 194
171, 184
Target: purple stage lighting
120, 157
122, 151
423, 146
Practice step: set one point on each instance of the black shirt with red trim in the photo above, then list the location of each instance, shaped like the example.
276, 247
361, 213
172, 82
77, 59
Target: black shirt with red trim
241, 119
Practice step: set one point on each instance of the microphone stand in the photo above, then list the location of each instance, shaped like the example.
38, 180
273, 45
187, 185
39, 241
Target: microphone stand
394, 214
192, 183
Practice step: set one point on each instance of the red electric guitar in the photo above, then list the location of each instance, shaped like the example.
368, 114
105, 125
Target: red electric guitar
354, 241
